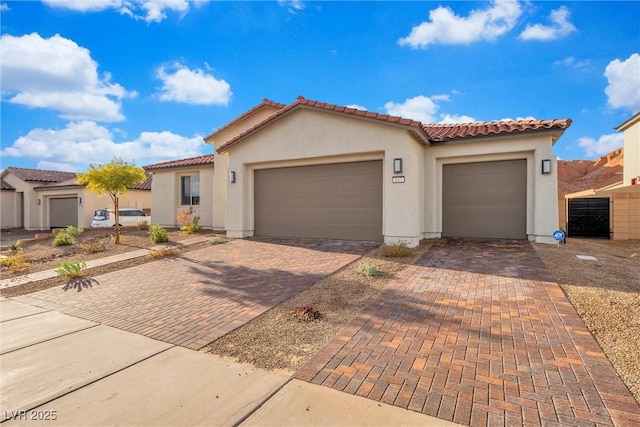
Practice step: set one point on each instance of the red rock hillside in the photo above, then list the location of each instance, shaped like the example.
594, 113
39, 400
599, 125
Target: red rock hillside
580, 175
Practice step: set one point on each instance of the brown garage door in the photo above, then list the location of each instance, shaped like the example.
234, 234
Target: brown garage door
485, 200
63, 212
336, 201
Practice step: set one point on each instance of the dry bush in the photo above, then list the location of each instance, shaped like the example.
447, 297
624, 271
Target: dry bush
397, 250
15, 263
93, 245
162, 253
306, 313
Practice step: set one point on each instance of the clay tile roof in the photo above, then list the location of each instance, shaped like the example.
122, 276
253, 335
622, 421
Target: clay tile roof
265, 103
301, 102
145, 185
445, 132
4, 185
40, 175
192, 161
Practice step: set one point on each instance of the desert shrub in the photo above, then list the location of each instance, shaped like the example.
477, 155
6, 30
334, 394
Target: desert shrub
189, 221
368, 269
397, 250
74, 231
218, 241
63, 238
142, 225
158, 234
15, 263
162, 253
71, 269
306, 313
94, 245
14, 246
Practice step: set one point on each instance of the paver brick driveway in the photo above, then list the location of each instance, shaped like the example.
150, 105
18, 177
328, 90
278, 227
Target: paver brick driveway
477, 333
194, 299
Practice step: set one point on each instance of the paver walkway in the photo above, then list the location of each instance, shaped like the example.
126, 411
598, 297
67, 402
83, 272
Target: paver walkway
194, 299
139, 253
477, 333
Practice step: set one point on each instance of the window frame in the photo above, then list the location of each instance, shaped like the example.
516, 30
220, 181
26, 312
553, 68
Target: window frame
193, 199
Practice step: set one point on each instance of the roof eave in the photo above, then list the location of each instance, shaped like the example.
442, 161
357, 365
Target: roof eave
418, 133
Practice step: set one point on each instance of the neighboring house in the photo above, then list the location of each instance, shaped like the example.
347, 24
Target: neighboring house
44, 199
183, 184
311, 169
10, 205
612, 211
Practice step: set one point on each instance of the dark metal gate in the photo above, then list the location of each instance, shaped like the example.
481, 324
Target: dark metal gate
588, 217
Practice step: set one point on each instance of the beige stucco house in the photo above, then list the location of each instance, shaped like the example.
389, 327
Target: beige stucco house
38, 199
311, 169
623, 197
187, 183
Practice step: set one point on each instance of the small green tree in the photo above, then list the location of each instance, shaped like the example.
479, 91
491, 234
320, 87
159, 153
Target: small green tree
114, 178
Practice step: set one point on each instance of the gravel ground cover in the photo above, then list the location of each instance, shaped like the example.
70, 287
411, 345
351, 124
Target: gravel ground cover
606, 294
43, 255
280, 341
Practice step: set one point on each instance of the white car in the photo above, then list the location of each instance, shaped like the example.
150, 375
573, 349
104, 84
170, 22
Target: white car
128, 218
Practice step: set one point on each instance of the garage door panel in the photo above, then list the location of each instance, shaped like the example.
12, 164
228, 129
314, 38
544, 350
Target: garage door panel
485, 200
337, 231
295, 184
337, 201
355, 199
321, 216
63, 212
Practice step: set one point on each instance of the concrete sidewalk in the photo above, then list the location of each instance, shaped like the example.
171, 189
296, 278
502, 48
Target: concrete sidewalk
58, 369
47, 274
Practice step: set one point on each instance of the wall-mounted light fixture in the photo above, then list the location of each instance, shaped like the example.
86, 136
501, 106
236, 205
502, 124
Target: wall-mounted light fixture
39, 202
79, 201
397, 165
546, 166
232, 177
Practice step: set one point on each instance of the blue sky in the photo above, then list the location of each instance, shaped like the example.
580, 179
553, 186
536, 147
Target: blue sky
86, 80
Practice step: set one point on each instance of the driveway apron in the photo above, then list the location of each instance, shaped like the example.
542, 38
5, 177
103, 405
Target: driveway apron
477, 333
194, 299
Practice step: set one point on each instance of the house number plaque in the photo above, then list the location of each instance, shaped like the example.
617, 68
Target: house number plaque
397, 179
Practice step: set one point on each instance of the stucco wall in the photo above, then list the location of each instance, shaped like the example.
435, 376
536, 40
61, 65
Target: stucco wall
307, 137
10, 206
242, 125
166, 203
631, 153
32, 214
542, 202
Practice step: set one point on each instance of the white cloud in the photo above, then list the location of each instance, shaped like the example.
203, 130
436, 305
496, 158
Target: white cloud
84, 142
425, 109
4, 7
421, 108
560, 27
181, 84
356, 106
572, 62
155, 9
455, 118
58, 74
509, 119
623, 90
147, 10
293, 6
604, 145
445, 27
86, 5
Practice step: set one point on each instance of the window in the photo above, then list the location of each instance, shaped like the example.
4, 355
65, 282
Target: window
190, 190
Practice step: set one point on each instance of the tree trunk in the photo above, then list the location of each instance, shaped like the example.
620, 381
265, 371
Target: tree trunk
116, 212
